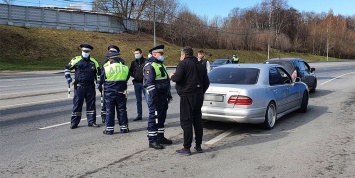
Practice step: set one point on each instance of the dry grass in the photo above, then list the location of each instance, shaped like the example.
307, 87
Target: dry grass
44, 48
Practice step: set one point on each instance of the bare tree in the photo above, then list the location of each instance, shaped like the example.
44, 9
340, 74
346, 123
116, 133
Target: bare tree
123, 9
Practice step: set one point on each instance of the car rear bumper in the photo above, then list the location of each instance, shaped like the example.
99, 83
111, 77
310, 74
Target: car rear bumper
250, 116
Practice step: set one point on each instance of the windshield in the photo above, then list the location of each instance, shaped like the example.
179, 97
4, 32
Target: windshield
246, 76
288, 65
219, 62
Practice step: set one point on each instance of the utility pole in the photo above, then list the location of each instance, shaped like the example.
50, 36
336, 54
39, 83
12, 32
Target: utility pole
268, 40
154, 22
327, 40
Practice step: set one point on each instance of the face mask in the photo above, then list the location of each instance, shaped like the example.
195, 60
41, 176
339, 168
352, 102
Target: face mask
137, 56
85, 55
161, 58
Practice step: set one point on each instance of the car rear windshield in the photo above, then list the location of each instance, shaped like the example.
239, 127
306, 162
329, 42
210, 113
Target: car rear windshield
288, 65
218, 62
246, 76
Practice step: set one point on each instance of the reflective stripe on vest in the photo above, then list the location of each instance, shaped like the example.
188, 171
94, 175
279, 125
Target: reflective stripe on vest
116, 72
78, 58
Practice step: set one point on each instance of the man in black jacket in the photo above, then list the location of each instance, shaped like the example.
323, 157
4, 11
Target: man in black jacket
136, 71
191, 84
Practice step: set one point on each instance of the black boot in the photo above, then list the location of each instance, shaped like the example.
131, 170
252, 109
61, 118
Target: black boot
165, 141
156, 145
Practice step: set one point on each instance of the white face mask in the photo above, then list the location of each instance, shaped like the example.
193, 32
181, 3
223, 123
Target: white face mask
85, 55
137, 56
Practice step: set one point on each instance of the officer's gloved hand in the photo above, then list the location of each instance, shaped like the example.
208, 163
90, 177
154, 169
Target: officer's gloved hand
99, 86
69, 80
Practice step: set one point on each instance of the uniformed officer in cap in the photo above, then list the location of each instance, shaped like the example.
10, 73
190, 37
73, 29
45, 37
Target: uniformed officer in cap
157, 84
86, 73
114, 77
105, 62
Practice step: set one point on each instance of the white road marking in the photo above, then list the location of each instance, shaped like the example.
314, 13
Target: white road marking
57, 125
220, 137
335, 78
34, 102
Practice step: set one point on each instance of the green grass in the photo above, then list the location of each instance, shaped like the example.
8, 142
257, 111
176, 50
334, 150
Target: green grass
49, 49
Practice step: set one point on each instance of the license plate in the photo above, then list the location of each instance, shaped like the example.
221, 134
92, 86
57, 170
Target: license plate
212, 97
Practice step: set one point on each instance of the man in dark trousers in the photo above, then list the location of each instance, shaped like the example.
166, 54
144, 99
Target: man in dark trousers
191, 84
104, 63
86, 73
136, 71
114, 78
157, 83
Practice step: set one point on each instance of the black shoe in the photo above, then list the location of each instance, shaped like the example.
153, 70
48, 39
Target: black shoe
137, 118
165, 141
156, 145
74, 126
198, 149
106, 132
124, 130
103, 117
184, 151
93, 125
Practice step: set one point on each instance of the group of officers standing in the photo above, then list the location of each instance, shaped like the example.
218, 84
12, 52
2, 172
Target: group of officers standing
150, 78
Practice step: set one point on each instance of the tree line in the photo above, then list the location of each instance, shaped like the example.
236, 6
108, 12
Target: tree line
271, 22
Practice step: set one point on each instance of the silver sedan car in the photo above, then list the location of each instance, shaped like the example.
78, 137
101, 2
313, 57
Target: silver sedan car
253, 93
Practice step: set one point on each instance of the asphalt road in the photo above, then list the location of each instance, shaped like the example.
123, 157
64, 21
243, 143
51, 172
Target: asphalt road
36, 140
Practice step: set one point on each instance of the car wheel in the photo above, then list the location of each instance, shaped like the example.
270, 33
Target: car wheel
314, 86
304, 103
270, 116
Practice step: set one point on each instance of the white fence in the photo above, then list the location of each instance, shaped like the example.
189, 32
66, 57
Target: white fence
62, 19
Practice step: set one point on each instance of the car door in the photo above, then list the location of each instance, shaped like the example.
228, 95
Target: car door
292, 95
279, 89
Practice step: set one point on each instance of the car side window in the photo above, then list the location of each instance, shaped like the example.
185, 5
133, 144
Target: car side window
301, 66
278, 76
274, 76
308, 68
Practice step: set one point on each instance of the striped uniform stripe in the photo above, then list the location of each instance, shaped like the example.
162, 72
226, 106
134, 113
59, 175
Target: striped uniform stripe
90, 112
152, 134
150, 88
109, 128
76, 114
161, 130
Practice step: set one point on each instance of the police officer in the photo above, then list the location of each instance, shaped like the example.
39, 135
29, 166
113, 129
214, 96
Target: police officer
235, 59
114, 76
157, 84
110, 49
86, 71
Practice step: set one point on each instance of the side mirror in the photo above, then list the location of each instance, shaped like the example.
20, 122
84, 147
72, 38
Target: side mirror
313, 69
297, 79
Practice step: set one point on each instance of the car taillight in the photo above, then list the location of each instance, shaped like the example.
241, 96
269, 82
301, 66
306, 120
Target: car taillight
240, 100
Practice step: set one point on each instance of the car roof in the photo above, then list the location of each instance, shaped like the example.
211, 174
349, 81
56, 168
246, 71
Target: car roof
259, 65
286, 59
222, 59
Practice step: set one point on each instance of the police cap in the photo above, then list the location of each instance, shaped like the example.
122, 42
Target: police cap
86, 47
157, 49
113, 48
112, 55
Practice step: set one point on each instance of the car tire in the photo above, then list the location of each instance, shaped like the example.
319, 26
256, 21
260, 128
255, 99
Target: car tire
270, 116
314, 86
304, 103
